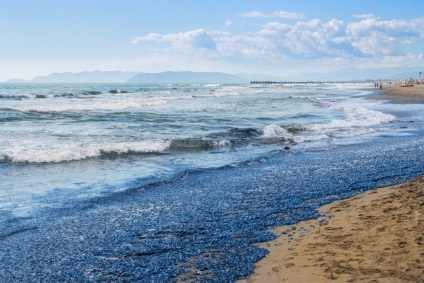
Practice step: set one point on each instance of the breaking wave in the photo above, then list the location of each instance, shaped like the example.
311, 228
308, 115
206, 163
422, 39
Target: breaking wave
96, 106
355, 117
75, 152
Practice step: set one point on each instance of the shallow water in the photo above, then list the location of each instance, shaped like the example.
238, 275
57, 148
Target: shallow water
102, 138
192, 209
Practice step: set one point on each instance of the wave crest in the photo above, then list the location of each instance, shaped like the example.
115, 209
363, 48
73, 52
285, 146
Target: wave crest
72, 153
272, 131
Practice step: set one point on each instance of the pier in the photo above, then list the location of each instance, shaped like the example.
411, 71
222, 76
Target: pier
285, 83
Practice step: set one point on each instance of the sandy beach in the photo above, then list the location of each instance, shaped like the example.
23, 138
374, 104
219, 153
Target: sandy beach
398, 94
373, 237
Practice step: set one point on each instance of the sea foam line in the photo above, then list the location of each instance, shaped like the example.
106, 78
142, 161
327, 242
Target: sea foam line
356, 122
355, 117
75, 152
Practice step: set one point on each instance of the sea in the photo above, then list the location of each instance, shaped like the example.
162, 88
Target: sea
177, 182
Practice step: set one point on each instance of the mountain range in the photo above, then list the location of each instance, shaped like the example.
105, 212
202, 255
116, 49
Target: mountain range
135, 77
349, 74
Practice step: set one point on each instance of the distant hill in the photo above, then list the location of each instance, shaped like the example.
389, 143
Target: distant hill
135, 77
347, 74
86, 77
186, 77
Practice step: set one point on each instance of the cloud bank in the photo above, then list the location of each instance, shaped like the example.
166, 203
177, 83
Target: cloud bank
291, 39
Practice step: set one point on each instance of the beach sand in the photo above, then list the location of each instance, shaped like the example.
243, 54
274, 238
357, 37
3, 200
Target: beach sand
377, 236
400, 94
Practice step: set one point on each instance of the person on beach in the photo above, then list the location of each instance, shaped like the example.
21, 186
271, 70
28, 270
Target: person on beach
381, 85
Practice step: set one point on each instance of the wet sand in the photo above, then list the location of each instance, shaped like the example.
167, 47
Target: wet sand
377, 236
400, 94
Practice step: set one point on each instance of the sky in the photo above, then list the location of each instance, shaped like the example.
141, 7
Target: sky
276, 37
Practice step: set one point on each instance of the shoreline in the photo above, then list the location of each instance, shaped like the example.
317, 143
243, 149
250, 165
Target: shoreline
199, 224
376, 236
402, 95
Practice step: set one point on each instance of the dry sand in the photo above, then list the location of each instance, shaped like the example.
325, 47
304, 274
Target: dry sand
400, 94
373, 237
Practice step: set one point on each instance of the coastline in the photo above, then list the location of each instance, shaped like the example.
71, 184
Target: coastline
398, 94
200, 224
373, 237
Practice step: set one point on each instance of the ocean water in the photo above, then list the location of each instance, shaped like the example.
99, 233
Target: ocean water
96, 139
79, 162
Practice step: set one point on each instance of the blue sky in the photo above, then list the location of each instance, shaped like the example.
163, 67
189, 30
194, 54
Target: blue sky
234, 36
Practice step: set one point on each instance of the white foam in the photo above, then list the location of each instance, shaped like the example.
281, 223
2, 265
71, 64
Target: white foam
89, 105
56, 153
354, 117
271, 131
222, 143
310, 138
357, 121
353, 133
176, 97
229, 90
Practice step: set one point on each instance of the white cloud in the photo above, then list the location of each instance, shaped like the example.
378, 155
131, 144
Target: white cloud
335, 25
398, 28
365, 16
305, 38
378, 38
312, 24
366, 40
254, 14
191, 39
276, 14
276, 26
150, 37
287, 15
228, 23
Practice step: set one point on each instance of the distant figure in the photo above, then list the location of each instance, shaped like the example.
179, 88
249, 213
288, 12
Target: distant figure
381, 85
